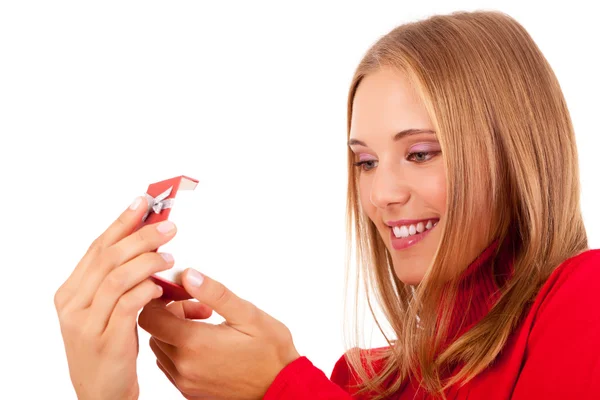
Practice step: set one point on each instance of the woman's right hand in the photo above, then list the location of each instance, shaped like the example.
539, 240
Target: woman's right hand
98, 304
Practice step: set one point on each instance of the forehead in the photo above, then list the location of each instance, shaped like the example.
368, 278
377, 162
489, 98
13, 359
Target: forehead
385, 102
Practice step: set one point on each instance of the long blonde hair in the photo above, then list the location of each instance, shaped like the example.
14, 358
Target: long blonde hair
504, 128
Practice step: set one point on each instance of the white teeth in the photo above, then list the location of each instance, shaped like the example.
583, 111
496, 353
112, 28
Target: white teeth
400, 231
403, 231
409, 230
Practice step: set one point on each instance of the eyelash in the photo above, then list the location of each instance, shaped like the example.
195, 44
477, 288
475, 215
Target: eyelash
359, 164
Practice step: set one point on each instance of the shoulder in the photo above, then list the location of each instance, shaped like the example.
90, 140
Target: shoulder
344, 375
584, 265
562, 355
573, 282
569, 301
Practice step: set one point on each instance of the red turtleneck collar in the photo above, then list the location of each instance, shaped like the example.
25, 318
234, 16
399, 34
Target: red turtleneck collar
480, 285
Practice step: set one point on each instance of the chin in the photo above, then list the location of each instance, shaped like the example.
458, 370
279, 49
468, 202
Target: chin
410, 267
409, 277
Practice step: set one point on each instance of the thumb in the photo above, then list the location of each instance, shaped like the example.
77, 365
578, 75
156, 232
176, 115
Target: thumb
215, 295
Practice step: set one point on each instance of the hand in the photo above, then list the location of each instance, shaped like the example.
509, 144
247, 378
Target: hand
98, 304
238, 359
187, 309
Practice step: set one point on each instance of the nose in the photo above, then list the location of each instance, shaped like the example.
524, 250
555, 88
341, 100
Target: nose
389, 187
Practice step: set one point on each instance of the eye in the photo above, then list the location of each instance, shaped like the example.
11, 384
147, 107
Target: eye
360, 164
421, 156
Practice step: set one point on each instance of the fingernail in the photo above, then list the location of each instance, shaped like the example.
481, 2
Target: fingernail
165, 226
168, 257
195, 278
136, 203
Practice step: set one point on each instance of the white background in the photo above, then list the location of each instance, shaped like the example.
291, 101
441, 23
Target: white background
98, 99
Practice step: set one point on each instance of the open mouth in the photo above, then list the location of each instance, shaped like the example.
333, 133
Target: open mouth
404, 231
403, 236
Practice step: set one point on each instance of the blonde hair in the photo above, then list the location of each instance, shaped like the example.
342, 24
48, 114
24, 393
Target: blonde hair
504, 127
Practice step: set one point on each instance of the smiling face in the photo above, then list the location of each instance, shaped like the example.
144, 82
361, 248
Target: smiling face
401, 171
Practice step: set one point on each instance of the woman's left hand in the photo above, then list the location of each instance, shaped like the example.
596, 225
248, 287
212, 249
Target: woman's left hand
238, 359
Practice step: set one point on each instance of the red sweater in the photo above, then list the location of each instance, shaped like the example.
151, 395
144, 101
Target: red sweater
554, 353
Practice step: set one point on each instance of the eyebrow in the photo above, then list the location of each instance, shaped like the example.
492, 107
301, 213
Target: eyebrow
397, 136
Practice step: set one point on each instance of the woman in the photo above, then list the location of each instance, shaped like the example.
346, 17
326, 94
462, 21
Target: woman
463, 203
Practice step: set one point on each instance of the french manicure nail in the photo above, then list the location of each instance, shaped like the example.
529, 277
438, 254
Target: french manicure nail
165, 226
136, 203
167, 257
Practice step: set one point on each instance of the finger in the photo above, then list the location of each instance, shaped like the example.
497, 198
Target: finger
161, 323
122, 279
236, 311
127, 222
167, 374
121, 227
190, 309
164, 358
147, 239
124, 314
176, 308
168, 349
160, 302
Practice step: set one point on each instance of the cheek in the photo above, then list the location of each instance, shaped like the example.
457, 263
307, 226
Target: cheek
439, 193
431, 187
364, 187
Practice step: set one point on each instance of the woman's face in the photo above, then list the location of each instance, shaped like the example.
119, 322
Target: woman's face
401, 176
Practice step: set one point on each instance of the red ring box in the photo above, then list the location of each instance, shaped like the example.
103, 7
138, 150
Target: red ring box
168, 280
